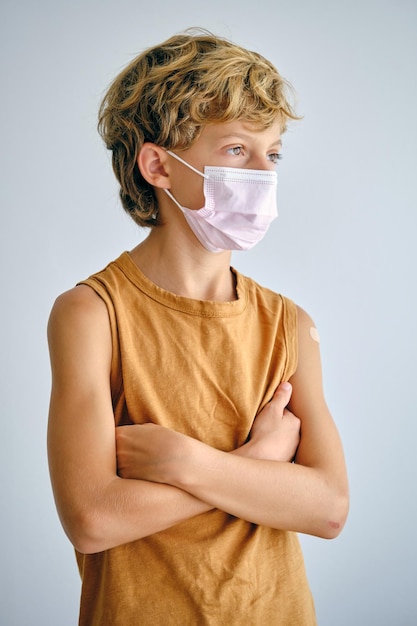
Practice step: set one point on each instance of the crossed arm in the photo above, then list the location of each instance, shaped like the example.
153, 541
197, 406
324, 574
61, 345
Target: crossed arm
112, 489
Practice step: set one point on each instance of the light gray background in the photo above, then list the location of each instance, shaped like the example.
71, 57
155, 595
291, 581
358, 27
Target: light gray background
343, 248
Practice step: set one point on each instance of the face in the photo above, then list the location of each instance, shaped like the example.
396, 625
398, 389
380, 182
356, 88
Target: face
234, 144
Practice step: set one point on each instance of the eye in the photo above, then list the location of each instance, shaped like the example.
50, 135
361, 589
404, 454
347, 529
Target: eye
236, 150
275, 157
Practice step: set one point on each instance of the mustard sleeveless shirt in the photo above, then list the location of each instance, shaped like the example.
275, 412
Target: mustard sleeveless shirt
205, 369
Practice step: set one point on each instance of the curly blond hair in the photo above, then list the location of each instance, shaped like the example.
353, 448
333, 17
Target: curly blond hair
168, 94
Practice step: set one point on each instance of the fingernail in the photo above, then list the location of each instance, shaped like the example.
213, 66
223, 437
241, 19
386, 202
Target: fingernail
286, 386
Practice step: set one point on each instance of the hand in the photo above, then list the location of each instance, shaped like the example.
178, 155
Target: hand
275, 433
154, 453
150, 452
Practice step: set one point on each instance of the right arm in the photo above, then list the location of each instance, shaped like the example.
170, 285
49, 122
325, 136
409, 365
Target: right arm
99, 509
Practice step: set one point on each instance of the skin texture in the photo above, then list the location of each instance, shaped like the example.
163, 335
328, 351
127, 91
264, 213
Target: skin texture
112, 485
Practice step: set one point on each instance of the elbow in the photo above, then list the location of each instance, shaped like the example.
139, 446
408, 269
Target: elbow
86, 544
85, 532
336, 512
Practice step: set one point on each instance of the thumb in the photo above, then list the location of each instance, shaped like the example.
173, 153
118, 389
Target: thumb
282, 394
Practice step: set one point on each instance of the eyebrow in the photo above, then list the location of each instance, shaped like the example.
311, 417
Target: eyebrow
278, 142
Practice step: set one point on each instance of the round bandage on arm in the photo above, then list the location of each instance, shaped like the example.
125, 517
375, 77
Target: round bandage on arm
315, 334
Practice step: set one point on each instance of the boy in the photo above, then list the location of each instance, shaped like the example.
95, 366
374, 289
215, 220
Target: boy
170, 443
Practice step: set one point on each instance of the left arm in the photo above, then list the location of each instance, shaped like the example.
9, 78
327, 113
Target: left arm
309, 496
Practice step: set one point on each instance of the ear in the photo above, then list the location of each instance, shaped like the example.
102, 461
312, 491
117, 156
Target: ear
152, 161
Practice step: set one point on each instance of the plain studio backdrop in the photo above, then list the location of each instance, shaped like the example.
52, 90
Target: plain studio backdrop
343, 248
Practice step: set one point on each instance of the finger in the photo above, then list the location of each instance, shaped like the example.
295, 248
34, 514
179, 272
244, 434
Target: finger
282, 395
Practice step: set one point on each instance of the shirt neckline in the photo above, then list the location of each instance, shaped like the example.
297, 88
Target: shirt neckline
203, 308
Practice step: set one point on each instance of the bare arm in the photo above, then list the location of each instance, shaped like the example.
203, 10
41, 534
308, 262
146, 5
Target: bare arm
98, 508
309, 496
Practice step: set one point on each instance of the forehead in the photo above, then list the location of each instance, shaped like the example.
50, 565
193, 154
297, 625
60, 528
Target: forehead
240, 129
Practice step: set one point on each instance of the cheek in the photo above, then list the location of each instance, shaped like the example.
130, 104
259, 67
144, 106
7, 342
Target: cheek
189, 191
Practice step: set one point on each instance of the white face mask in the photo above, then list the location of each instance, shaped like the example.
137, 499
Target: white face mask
239, 206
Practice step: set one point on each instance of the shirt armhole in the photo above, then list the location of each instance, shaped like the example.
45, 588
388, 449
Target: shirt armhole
290, 326
116, 382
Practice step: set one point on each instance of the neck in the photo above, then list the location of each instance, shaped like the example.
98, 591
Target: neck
179, 264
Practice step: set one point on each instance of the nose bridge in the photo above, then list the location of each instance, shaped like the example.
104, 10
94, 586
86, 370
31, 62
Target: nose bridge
258, 161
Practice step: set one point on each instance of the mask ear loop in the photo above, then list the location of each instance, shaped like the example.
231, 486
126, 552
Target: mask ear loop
187, 164
169, 194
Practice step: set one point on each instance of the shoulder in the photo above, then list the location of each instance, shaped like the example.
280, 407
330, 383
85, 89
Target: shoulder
80, 301
78, 319
306, 326
308, 336
80, 342
308, 373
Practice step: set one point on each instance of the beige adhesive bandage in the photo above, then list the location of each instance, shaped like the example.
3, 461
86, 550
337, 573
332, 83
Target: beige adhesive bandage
315, 334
